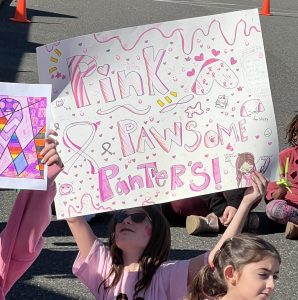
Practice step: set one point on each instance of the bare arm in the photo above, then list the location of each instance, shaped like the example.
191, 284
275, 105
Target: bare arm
82, 234
252, 195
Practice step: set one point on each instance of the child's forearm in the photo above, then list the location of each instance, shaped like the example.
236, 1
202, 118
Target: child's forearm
234, 228
36, 215
82, 234
21, 239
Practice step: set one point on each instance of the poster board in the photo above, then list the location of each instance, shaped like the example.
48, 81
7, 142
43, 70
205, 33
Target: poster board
160, 112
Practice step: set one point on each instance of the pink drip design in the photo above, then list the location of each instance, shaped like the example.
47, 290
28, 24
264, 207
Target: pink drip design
246, 31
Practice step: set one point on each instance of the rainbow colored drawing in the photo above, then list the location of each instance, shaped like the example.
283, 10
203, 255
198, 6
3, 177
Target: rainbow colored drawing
22, 136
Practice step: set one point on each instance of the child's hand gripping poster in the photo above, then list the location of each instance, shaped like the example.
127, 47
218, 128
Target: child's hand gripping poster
160, 112
24, 116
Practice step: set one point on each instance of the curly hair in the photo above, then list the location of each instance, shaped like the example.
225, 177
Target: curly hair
155, 253
237, 252
292, 132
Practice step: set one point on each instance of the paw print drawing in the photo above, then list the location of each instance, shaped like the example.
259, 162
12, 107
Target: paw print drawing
214, 70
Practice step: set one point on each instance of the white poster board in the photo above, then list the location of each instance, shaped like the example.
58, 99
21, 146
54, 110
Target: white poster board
160, 112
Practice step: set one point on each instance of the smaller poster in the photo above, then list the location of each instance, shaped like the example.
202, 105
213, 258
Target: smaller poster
24, 116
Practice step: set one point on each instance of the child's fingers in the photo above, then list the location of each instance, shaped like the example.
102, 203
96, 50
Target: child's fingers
50, 157
53, 159
260, 181
50, 144
51, 140
52, 132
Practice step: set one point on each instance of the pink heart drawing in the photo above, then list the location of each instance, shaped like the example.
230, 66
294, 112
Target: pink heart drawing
215, 52
199, 57
191, 73
269, 143
103, 70
233, 61
229, 147
257, 136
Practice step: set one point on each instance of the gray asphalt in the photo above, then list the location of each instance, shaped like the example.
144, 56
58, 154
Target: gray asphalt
50, 276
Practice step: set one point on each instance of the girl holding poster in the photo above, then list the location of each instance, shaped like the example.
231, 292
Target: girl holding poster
21, 240
282, 196
134, 265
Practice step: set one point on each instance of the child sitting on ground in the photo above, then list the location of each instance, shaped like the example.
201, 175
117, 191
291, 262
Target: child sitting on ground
213, 212
245, 267
282, 196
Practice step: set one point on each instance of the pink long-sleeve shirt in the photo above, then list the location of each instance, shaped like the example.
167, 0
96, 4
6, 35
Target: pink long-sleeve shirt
21, 240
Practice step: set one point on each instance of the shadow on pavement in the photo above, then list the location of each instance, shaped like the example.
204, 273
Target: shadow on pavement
14, 40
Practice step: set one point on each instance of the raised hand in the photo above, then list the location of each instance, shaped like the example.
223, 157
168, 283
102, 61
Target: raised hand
255, 192
49, 152
228, 215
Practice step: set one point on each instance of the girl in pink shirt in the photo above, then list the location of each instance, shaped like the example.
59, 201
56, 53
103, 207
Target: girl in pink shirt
21, 240
134, 266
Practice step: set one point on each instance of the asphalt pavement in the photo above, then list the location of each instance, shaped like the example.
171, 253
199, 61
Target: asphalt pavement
50, 276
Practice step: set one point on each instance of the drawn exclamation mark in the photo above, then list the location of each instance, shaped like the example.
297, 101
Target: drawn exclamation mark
216, 171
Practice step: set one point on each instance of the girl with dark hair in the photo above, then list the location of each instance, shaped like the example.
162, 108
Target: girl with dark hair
282, 196
245, 267
134, 266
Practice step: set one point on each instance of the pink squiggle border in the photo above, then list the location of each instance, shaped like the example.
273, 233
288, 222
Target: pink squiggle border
51, 46
246, 31
78, 211
128, 107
